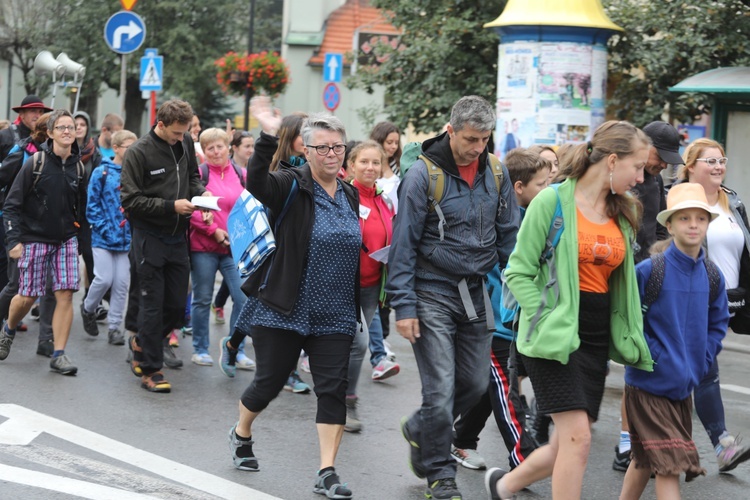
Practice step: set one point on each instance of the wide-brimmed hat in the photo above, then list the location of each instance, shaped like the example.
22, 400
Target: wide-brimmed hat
666, 140
32, 102
682, 196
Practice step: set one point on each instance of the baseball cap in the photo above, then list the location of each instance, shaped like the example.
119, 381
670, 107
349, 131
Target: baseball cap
666, 140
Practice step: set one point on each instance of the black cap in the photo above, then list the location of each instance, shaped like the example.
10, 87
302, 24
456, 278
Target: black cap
32, 102
666, 140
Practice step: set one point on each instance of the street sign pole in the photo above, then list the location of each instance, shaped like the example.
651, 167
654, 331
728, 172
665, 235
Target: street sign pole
152, 114
123, 78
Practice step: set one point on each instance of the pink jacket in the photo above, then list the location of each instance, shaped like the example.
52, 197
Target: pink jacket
223, 182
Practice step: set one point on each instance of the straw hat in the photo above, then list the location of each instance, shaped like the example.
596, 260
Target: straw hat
682, 196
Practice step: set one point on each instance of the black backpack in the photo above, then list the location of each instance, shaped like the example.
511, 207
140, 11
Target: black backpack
204, 170
656, 280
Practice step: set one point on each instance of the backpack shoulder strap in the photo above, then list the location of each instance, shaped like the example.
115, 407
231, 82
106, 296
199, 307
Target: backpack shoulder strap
655, 281
497, 171
203, 169
435, 191
714, 280
39, 159
556, 227
238, 171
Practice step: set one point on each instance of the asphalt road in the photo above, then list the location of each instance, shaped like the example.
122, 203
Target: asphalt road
100, 435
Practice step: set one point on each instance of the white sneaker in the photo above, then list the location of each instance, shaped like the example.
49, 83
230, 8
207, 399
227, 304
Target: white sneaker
244, 363
202, 359
385, 369
304, 364
388, 352
468, 458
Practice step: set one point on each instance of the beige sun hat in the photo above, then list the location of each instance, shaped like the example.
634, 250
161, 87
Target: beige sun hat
682, 196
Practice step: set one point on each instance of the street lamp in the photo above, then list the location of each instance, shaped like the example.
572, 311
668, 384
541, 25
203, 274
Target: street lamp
249, 51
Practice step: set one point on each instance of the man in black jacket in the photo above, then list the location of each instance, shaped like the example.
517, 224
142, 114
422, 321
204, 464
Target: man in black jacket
159, 177
31, 108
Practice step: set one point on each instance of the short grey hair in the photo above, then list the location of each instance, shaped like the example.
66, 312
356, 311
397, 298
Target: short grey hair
56, 115
321, 121
473, 111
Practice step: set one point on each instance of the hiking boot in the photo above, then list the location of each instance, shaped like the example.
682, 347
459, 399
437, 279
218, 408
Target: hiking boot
135, 355
415, 454
45, 348
490, 482
622, 460
218, 315
352, 419
385, 369
89, 322
227, 358
5, 342
63, 365
336, 489
733, 453
469, 458
115, 337
170, 358
155, 382
242, 452
445, 488
295, 384
245, 363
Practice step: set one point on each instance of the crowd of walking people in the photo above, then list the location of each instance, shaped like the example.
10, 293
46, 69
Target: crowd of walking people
548, 265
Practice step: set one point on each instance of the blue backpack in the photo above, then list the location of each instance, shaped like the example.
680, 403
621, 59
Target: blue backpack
508, 308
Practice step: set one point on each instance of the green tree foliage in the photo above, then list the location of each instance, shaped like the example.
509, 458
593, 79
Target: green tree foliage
665, 42
445, 53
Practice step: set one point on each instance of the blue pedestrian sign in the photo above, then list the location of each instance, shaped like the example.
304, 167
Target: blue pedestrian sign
333, 67
124, 32
331, 96
152, 71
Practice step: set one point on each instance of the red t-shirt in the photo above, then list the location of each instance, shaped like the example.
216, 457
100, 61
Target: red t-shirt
468, 172
374, 236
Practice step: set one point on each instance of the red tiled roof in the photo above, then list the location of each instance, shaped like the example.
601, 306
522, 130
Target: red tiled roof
344, 21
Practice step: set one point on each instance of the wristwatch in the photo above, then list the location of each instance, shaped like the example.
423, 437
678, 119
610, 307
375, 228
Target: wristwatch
602, 250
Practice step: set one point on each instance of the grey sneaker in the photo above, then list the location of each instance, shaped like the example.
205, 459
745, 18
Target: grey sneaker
115, 337
89, 322
63, 365
353, 424
469, 458
5, 342
443, 489
170, 358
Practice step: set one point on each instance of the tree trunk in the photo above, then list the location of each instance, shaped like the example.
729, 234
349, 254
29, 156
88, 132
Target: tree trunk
134, 106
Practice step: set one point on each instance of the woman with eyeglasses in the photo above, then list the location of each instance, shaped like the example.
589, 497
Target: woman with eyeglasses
728, 244
306, 295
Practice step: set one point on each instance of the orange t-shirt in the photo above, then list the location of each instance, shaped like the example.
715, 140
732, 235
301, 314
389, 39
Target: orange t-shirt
469, 172
601, 248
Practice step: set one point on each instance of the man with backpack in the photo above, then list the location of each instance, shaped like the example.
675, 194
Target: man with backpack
41, 218
458, 219
29, 111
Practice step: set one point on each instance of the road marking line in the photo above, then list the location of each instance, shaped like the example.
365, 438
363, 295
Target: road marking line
155, 464
736, 388
67, 485
17, 432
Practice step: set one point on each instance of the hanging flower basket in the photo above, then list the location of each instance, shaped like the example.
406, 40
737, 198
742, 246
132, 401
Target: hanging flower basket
265, 72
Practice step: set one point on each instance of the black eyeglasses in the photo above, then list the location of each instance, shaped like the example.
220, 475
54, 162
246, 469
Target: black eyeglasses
323, 150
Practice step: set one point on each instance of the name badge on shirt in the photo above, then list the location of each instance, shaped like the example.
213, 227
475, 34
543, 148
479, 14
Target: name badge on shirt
364, 212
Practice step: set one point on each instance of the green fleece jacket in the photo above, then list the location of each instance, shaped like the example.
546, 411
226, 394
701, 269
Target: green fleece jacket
556, 334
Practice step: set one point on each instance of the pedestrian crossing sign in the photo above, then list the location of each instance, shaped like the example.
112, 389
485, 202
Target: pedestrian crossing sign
152, 71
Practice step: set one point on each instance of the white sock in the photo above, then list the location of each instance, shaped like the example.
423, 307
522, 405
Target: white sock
624, 441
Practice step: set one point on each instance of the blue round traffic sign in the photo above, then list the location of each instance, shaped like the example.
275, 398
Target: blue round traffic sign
125, 32
331, 96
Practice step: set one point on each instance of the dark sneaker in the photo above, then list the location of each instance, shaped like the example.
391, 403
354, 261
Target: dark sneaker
733, 454
490, 482
5, 342
227, 358
622, 460
135, 354
35, 311
248, 460
443, 489
336, 489
415, 456
170, 358
89, 322
115, 337
45, 348
155, 382
353, 423
63, 365
101, 313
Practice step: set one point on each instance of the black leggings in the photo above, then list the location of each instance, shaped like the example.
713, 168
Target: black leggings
276, 355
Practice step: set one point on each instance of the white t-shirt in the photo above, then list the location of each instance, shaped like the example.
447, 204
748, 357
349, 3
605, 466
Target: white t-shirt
725, 245
390, 188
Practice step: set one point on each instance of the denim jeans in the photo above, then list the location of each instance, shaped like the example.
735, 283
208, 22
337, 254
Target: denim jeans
204, 266
452, 354
368, 300
708, 404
